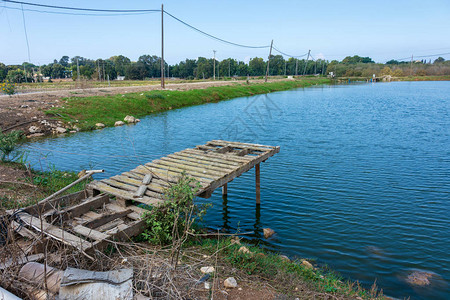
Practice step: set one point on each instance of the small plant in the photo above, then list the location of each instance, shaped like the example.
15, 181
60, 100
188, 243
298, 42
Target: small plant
8, 88
171, 220
155, 96
8, 143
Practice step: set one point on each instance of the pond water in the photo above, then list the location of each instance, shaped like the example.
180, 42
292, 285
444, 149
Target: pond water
362, 181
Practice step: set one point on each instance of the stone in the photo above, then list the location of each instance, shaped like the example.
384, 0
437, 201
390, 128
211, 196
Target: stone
285, 258
119, 123
245, 250
129, 119
24, 106
207, 270
230, 282
419, 278
207, 286
268, 232
137, 120
34, 129
307, 264
76, 128
60, 130
73, 131
99, 125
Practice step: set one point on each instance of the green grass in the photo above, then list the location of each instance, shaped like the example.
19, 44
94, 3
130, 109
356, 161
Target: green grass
85, 112
46, 183
271, 266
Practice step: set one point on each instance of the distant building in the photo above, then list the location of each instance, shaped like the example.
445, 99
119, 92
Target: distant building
120, 78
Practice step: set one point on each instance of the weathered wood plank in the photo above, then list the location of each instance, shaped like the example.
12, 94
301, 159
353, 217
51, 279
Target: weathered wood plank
223, 149
204, 168
124, 194
154, 185
147, 178
106, 218
133, 215
130, 189
168, 175
257, 147
207, 160
233, 158
140, 191
197, 175
89, 233
58, 203
54, 232
200, 163
243, 152
84, 207
239, 171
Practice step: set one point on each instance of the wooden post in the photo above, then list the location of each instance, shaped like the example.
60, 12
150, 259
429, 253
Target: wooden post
268, 61
258, 191
225, 189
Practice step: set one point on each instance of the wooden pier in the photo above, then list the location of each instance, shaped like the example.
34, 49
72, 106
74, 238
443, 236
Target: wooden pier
89, 219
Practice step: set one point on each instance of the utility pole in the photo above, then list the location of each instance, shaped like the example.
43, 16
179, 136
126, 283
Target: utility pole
285, 65
229, 67
78, 73
104, 71
168, 71
268, 61
315, 67
214, 65
296, 66
306, 63
163, 85
410, 68
98, 70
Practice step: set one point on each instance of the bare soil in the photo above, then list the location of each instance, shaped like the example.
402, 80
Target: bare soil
21, 111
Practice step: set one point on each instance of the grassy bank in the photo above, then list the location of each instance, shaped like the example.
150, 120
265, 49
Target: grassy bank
85, 112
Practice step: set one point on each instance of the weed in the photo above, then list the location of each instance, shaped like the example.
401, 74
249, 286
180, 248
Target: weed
9, 142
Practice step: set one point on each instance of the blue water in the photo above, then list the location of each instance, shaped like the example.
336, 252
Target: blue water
362, 181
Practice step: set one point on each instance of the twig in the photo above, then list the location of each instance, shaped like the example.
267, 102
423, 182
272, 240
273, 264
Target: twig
18, 182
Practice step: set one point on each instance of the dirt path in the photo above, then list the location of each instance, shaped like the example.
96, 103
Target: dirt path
22, 111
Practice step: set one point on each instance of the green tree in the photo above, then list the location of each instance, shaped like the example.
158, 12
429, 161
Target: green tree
439, 60
257, 66
3, 72
120, 63
64, 61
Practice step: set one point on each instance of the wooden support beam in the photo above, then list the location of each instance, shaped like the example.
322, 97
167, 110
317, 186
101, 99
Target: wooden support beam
258, 191
225, 189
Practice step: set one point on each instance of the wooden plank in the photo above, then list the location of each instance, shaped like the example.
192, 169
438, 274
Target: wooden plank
194, 166
243, 152
108, 226
168, 175
204, 147
241, 170
199, 163
106, 218
90, 233
194, 174
54, 232
154, 186
140, 176
130, 189
233, 158
256, 147
223, 149
185, 167
23, 231
207, 160
120, 193
21, 260
147, 178
91, 215
140, 191
258, 186
58, 203
116, 208
84, 207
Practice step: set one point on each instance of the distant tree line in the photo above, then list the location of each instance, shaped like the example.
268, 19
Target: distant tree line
149, 66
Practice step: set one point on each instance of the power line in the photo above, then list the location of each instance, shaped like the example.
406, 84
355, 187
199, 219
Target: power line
212, 36
423, 56
26, 35
293, 56
80, 14
84, 9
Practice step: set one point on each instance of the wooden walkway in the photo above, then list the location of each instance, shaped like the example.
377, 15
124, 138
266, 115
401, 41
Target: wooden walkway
90, 220
213, 165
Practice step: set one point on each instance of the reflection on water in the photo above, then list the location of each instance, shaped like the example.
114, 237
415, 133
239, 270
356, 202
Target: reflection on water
361, 182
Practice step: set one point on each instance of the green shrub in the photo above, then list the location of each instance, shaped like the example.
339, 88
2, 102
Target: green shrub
155, 96
8, 143
171, 220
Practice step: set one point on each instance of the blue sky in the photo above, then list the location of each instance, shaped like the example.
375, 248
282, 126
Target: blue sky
331, 29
